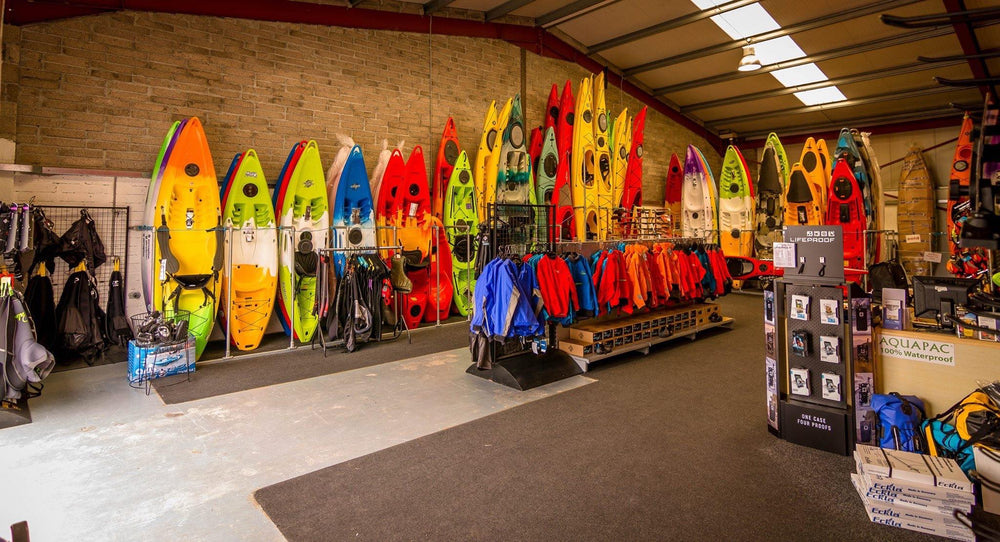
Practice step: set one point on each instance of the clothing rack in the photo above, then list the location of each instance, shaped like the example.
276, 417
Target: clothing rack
395, 294
509, 227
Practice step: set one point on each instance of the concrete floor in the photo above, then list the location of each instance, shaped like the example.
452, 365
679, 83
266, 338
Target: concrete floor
102, 461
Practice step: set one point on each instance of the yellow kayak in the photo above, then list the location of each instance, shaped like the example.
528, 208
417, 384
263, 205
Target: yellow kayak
582, 170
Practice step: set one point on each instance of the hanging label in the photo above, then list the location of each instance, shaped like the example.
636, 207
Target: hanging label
933, 257
912, 238
784, 254
413, 209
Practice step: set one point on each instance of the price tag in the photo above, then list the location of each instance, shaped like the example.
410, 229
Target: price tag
912, 238
784, 254
933, 257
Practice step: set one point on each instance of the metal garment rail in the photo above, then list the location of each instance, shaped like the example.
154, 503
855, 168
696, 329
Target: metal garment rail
395, 294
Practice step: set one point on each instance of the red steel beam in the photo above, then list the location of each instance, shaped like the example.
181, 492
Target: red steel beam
535, 39
970, 45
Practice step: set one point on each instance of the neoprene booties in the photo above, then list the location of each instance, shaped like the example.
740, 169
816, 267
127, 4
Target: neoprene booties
397, 276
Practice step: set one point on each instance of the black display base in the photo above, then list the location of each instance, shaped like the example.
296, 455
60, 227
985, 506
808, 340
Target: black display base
816, 426
17, 414
525, 371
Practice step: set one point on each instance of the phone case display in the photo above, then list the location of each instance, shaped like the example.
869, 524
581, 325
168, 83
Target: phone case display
813, 343
829, 311
831, 386
800, 345
829, 349
800, 308
770, 341
864, 369
769, 307
772, 391
815, 347
799, 380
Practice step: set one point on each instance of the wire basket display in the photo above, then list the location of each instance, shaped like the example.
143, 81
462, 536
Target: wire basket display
163, 347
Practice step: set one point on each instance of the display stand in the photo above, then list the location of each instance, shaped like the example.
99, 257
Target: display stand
818, 361
517, 230
594, 341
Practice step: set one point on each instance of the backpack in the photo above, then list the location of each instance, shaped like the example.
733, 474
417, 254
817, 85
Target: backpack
899, 419
973, 421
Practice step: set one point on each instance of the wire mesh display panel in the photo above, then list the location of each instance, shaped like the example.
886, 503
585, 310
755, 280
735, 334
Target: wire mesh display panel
112, 227
519, 229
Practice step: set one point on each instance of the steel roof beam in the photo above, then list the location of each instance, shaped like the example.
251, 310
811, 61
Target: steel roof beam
908, 121
992, 53
505, 8
811, 24
660, 28
970, 45
846, 80
840, 52
435, 5
570, 11
878, 98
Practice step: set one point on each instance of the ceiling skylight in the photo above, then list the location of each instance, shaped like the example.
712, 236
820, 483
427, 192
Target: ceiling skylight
799, 75
821, 96
753, 19
746, 21
778, 50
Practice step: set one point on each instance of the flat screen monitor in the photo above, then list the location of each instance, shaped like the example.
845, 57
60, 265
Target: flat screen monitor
937, 297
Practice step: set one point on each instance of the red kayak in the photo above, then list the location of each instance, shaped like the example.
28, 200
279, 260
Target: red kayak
632, 195
552, 109
447, 154
846, 208
564, 127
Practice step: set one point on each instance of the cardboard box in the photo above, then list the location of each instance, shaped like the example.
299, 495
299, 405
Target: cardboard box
988, 467
913, 469
890, 515
576, 349
585, 335
910, 500
148, 362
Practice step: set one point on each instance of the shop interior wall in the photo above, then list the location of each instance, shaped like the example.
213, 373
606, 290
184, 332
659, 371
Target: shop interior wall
99, 92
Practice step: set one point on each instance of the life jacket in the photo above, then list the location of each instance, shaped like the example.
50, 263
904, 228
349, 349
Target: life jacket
973, 421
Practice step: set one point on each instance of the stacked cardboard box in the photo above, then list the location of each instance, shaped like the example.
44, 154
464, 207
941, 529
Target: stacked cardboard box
913, 491
603, 336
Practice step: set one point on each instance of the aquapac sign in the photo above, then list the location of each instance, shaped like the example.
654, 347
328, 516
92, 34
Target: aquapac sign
937, 352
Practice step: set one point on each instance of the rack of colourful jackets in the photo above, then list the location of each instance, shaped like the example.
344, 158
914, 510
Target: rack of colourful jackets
630, 277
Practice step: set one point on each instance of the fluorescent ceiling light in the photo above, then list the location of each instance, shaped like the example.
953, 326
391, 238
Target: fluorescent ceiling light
746, 21
705, 4
778, 50
799, 75
821, 96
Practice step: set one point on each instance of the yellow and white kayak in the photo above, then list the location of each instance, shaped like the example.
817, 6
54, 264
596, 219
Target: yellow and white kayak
602, 159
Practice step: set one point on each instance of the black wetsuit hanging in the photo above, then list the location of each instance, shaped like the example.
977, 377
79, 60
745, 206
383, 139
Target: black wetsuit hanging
118, 329
80, 318
47, 242
41, 303
82, 243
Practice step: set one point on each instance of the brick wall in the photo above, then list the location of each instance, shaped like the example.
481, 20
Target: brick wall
100, 91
